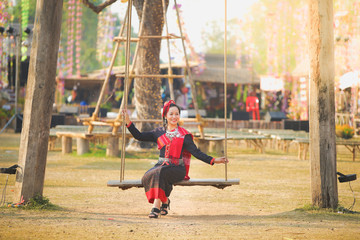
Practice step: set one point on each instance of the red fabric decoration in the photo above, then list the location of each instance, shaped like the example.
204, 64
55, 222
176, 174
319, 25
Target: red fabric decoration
166, 107
174, 148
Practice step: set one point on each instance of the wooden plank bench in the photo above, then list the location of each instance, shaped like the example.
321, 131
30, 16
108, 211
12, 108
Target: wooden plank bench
303, 147
351, 144
255, 140
218, 183
281, 138
252, 139
67, 132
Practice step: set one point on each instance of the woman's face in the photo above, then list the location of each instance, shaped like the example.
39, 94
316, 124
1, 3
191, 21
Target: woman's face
173, 116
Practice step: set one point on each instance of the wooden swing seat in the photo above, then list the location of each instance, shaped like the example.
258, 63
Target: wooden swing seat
218, 183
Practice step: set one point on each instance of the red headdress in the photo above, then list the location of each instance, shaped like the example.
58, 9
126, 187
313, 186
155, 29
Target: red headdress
166, 107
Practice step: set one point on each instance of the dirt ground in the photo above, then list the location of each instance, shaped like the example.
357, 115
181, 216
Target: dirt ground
269, 203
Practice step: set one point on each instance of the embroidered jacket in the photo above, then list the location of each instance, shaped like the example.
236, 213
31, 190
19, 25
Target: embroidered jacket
178, 147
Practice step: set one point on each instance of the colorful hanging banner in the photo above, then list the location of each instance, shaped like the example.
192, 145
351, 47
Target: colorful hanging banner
105, 35
4, 51
24, 24
78, 36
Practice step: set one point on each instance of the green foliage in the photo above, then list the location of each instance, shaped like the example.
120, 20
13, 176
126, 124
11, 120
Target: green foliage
40, 203
5, 114
16, 11
344, 131
107, 106
88, 60
214, 39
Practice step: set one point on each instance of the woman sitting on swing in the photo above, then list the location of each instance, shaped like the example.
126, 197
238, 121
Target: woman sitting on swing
176, 147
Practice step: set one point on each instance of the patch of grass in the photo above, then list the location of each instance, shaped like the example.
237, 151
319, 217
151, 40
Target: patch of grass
40, 203
101, 153
312, 208
149, 154
92, 153
8, 155
307, 208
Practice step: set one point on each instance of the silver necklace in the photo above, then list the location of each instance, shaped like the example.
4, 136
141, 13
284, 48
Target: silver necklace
172, 134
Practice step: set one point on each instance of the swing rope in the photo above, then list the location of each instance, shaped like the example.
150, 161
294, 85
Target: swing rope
126, 80
225, 87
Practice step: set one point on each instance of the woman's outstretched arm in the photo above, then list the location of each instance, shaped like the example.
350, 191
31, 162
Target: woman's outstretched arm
141, 136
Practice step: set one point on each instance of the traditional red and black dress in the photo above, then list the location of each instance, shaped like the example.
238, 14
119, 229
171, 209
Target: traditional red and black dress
176, 148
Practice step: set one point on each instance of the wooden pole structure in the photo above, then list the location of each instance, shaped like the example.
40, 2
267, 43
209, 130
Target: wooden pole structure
39, 100
322, 105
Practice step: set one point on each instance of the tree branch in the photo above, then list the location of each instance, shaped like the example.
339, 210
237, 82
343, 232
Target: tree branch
97, 9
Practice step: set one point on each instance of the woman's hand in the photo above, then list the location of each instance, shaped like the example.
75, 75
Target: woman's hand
127, 118
221, 160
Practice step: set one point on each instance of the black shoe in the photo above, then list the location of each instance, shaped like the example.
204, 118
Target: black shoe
164, 207
154, 213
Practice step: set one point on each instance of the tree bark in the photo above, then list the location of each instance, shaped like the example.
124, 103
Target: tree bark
322, 105
148, 100
39, 100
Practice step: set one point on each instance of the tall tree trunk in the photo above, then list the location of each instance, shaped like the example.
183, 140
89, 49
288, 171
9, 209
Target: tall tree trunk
148, 100
322, 105
39, 100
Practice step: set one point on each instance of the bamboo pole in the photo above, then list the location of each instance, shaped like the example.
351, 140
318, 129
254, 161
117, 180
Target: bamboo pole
152, 76
109, 122
168, 36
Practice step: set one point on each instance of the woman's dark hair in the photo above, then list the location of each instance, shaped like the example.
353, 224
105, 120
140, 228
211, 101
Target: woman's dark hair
164, 117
